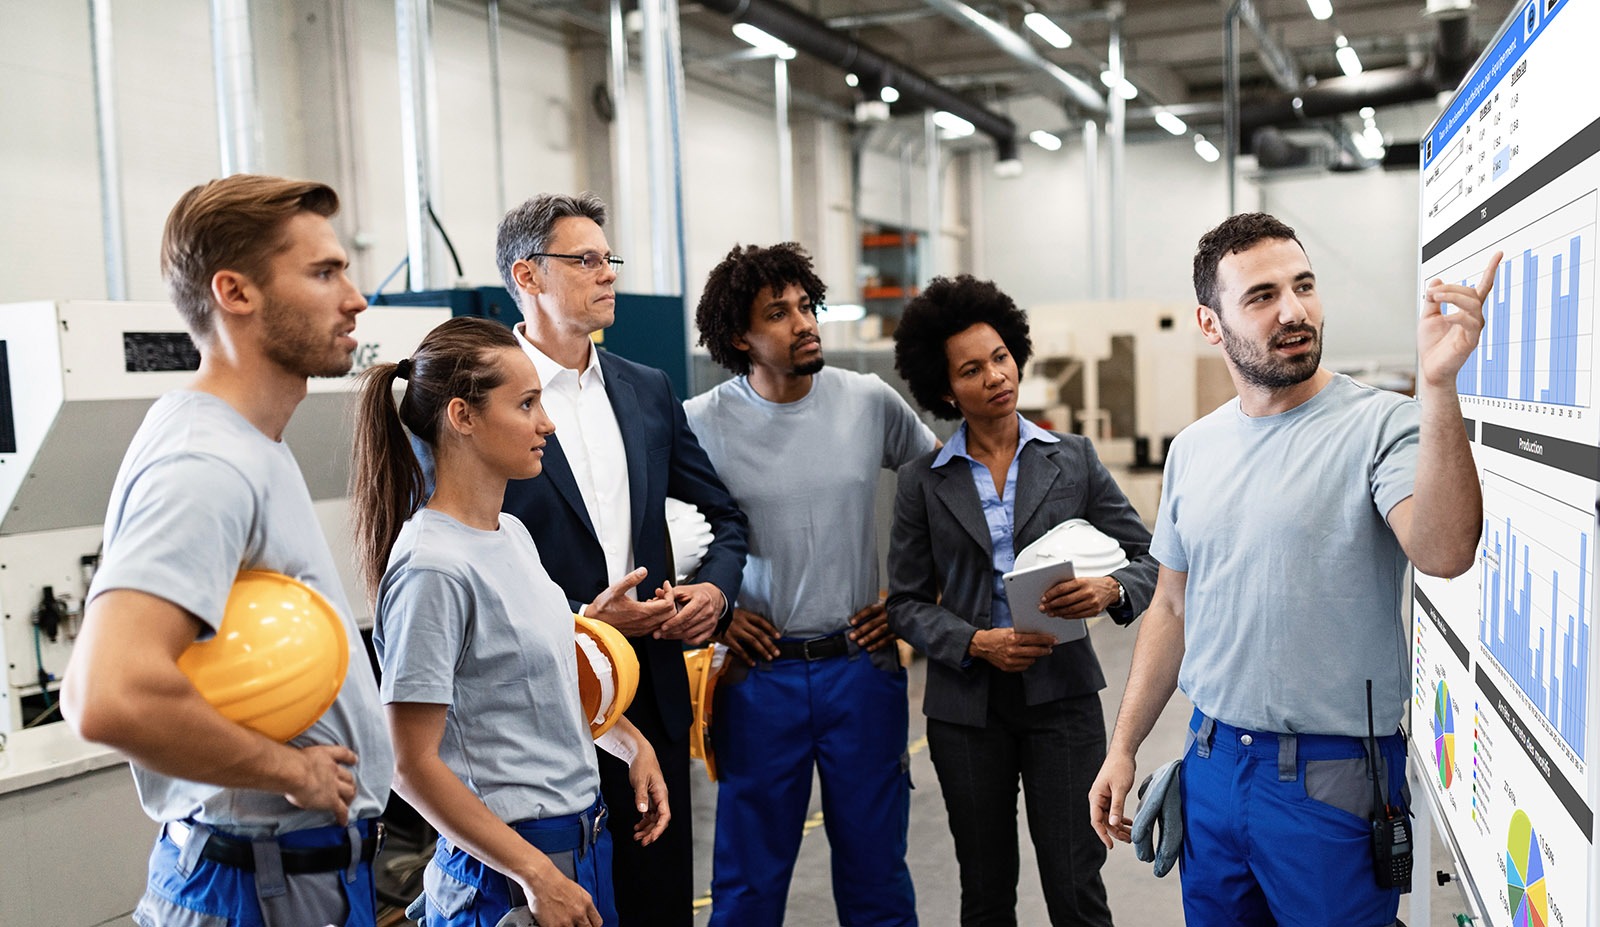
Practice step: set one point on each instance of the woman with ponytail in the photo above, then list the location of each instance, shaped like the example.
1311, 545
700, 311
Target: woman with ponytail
480, 672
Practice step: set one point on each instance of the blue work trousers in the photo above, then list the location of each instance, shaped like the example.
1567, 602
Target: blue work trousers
187, 890
459, 890
1276, 829
847, 718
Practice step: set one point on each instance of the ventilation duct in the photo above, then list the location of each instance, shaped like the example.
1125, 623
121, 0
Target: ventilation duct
1452, 54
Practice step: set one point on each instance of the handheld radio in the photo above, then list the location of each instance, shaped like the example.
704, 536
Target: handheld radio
1391, 830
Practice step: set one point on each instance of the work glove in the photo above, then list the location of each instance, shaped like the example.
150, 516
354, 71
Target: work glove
1160, 801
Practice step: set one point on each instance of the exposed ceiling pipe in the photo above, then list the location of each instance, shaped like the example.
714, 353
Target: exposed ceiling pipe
1452, 54
1077, 89
233, 65
813, 37
105, 117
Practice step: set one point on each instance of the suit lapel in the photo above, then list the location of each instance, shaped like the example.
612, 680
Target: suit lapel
630, 421
558, 471
1036, 473
960, 496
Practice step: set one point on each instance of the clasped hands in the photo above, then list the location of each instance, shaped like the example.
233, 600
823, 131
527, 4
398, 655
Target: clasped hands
1014, 651
686, 613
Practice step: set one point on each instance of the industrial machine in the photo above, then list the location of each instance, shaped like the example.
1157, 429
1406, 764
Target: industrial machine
76, 379
1129, 374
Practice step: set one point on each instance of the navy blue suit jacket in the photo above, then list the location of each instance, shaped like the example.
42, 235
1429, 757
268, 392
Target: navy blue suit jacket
664, 459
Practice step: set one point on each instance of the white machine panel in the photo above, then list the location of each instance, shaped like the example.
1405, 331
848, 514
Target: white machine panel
81, 376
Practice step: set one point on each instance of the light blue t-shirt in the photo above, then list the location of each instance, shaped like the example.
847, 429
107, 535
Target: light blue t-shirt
999, 510
202, 494
1295, 580
469, 619
806, 475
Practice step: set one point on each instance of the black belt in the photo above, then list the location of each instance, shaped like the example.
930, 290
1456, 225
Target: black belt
817, 648
237, 852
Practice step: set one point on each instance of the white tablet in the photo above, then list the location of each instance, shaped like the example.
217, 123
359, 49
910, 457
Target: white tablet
1024, 589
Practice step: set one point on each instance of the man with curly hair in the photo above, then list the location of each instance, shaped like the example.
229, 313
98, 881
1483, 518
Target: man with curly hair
818, 683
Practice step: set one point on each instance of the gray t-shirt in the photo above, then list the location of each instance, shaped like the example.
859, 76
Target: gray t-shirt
469, 619
1295, 581
806, 475
201, 495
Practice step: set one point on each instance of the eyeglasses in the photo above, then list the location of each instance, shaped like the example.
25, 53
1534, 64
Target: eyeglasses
589, 260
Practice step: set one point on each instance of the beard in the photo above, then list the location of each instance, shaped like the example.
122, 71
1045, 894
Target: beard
294, 342
810, 367
1258, 367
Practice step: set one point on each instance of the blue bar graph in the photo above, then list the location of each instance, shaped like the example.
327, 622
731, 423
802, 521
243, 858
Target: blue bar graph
1547, 335
1547, 656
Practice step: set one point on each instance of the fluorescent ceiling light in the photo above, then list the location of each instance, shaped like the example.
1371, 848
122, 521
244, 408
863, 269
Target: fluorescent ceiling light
848, 312
1044, 140
851, 80
1321, 9
1125, 89
1348, 62
954, 126
1205, 149
1369, 144
1368, 112
1045, 28
1171, 122
762, 41
888, 95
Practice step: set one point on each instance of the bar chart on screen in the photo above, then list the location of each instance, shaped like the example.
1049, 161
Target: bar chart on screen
1534, 621
1538, 332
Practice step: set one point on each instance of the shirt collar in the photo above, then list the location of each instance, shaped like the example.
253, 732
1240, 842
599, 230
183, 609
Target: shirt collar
957, 445
549, 369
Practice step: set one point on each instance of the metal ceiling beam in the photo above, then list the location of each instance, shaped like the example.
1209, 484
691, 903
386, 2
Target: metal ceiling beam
884, 18
1274, 57
1077, 89
810, 35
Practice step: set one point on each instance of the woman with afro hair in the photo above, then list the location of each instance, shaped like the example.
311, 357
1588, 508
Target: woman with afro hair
1003, 704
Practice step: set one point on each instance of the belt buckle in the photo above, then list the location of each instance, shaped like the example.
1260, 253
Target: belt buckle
805, 648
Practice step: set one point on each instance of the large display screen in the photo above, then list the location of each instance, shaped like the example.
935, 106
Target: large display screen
1504, 666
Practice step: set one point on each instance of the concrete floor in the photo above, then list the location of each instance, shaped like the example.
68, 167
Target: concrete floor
1137, 897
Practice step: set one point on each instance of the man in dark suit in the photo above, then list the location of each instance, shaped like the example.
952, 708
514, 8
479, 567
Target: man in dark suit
597, 515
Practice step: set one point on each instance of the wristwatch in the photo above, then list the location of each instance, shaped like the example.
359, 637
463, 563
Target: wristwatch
1122, 595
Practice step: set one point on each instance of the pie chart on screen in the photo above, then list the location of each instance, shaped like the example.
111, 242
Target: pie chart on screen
1525, 889
1444, 734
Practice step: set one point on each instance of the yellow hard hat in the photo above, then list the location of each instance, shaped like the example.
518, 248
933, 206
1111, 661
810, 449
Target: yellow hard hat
705, 665
608, 673
278, 658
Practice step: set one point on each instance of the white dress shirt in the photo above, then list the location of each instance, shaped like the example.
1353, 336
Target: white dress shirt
592, 442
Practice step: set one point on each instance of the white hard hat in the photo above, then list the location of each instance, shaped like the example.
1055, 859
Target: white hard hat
689, 535
1091, 551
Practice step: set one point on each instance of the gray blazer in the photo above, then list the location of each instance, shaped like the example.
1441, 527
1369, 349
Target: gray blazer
941, 569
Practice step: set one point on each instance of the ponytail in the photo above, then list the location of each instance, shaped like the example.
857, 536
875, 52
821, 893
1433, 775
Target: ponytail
386, 485
455, 360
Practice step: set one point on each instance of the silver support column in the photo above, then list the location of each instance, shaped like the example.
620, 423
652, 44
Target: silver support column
780, 84
499, 114
233, 64
661, 139
1230, 103
414, 35
105, 117
1117, 207
622, 201
1091, 195
930, 151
